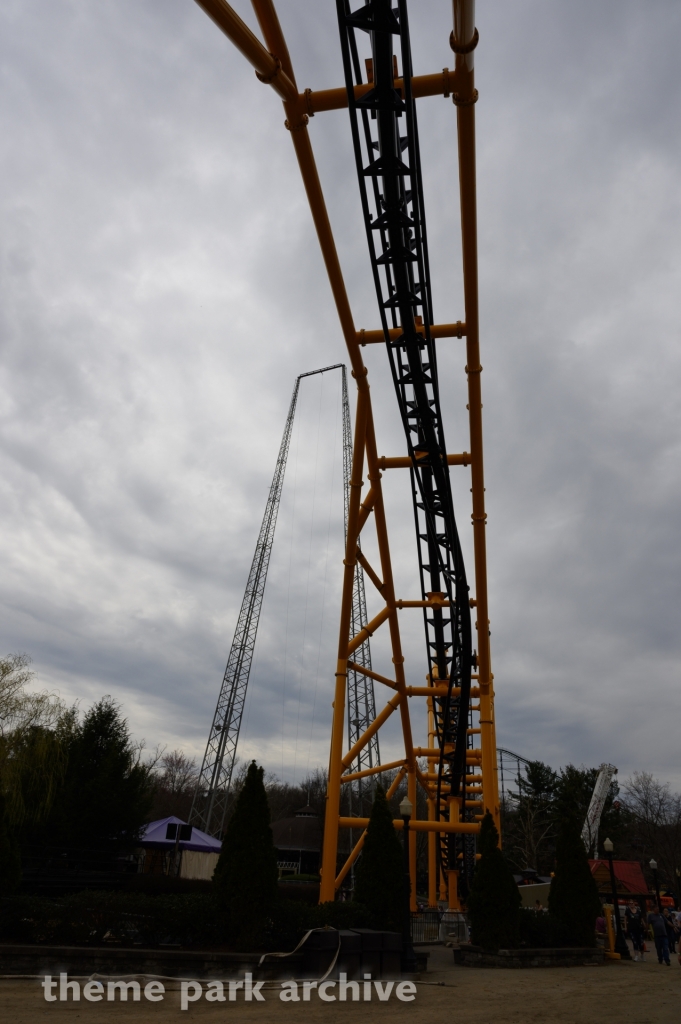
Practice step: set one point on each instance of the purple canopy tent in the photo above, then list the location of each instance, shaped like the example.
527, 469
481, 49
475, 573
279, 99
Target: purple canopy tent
159, 836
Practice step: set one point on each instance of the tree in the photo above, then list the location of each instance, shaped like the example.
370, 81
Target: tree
32, 760
175, 784
656, 814
379, 879
530, 828
107, 791
21, 708
543, 799
573, 896
10, 855
246, 874
494, 901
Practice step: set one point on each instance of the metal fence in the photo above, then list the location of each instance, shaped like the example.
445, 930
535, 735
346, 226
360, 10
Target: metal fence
433, 925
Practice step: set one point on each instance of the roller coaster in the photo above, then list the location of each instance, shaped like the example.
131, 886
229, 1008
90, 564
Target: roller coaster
459, 778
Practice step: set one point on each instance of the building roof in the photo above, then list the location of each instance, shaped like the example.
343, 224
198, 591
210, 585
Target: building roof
154, 837
628, 875
303, 832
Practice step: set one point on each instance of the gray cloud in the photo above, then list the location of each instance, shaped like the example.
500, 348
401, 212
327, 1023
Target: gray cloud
161, 288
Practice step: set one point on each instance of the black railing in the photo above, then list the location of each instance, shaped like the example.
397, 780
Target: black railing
433, 925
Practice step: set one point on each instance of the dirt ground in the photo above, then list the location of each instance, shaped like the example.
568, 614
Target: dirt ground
617, 993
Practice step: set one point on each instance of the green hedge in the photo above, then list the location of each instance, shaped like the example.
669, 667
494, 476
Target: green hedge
195, 920
539, 930
91, 918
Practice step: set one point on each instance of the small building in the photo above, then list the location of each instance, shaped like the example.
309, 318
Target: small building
628, 875
528, 876
298, 842
170, 846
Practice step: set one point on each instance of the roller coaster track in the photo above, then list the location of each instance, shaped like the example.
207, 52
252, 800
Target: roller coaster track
385, 138
460, 783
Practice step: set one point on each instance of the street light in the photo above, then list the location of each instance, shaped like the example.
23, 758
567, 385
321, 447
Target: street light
408, 955
620, 942
656, 883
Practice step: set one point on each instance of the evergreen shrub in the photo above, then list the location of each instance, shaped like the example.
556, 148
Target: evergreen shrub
573, 896
494, 900
539, 930
10, 855
379, 878
246, 876
84, 918
195, 920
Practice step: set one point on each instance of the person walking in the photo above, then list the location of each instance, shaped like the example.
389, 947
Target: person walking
601, 930
659, 927
671, 931
634, 922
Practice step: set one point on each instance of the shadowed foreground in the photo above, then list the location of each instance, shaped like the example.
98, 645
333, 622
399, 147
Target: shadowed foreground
621, 993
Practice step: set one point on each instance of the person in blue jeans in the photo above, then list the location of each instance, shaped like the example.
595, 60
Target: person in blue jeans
659, 927
635, 929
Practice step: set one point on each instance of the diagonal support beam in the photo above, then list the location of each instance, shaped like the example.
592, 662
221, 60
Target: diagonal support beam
365, 509
378, 721
267, 67
378, 770
373, 675
357, 849
369, 571
368, 630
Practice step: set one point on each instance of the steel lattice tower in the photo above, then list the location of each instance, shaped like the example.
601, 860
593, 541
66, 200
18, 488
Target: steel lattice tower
212, 793
361, 700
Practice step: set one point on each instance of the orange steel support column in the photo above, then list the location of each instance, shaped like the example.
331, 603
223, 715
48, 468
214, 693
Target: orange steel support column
453, 875
328, 867
432, 839
464, 37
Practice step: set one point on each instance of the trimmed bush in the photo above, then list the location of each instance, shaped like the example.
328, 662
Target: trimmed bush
379, 879
10, 856
539, 930
494, 901
573, 896
291, 919
84, 918
245, 878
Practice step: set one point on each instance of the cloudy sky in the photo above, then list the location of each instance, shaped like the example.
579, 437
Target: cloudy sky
161, 288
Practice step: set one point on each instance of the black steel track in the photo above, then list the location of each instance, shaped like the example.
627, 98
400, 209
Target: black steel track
385, 139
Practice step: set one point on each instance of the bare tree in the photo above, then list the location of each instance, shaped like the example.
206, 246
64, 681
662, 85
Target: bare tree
657, 818
179, 772
20, 708
176, 778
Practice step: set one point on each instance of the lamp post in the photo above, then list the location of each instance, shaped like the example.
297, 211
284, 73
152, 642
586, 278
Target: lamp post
656, 883
408, 955
620, 942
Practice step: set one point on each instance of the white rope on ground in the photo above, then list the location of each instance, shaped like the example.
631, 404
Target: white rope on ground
302, 943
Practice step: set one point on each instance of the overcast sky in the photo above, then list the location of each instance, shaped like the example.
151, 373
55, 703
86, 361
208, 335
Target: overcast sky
162, 287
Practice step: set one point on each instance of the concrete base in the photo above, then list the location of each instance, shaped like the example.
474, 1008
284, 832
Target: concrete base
467, 955
182, 963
